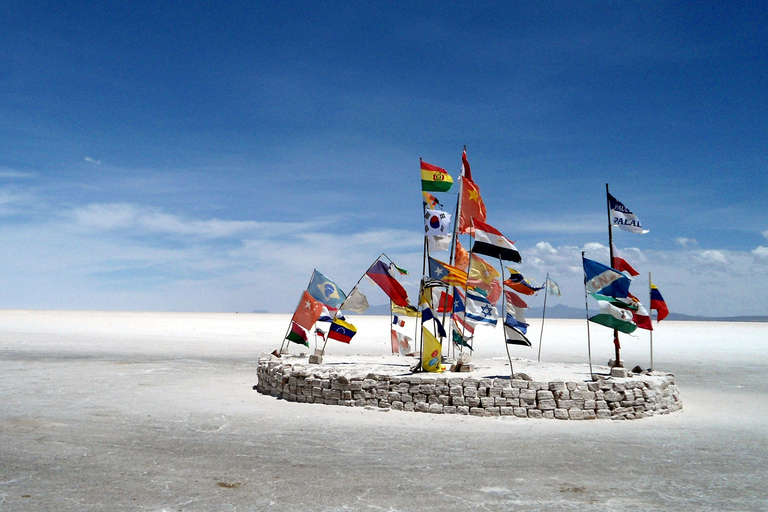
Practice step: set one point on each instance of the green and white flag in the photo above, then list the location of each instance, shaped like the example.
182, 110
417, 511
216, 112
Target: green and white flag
615, 318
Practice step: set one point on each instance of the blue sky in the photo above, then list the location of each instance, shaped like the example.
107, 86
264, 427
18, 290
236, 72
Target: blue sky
206, 156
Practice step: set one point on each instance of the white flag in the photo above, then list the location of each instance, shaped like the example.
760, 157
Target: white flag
621, 216
436, 223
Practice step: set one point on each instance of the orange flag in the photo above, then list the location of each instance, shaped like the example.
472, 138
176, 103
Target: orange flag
307, 311
461, 260
472, 205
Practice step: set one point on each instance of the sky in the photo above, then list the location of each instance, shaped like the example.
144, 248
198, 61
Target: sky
207, 156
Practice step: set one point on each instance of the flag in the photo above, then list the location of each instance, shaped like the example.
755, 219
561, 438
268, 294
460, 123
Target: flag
461, 258
446, 273
515, 318
480, 310
605, 280
552, 287
480, 271
472, 205
437, 223
430, 201
325, 290
380, 275
515, 299
355, 301
325, 315
297, 334
657, 303
401, 271
622, 217
308, 311
427, 314
408, 311
615, 318
621, 264
458, 339
401, 344
492, 243
465, 169
515, 337
444, 302
619, 302
642, 318
430, 356
459, 311
520, 284
439, 243
341, 330
434, 179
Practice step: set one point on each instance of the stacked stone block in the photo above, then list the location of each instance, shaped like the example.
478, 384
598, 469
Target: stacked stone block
609, 398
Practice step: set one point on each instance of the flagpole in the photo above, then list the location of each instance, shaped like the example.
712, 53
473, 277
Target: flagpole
289, 325
543, 313
452, 257
650, 311
503, 332
617, 362
586, 306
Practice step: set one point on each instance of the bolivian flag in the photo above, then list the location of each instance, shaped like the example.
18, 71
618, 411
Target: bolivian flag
434, 179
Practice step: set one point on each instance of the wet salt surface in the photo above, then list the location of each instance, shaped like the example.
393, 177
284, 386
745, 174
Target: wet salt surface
151, 411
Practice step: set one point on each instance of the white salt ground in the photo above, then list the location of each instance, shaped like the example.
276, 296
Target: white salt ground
156, 411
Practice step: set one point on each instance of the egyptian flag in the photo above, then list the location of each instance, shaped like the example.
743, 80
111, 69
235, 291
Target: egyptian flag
490, 242
621, 264
341, 330
380, 275
657, 303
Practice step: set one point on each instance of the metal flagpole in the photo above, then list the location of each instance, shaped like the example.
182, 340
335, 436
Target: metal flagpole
504, 332
289, 325
543, 313
586, 306
610, 264
651, 316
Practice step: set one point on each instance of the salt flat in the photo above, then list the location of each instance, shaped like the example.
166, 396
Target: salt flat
156, 411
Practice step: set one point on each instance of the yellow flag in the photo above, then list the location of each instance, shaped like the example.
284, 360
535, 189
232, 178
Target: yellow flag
430, 356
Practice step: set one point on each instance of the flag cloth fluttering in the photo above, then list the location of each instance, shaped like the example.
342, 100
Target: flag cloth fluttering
515, 318
434, 179
325, 290
446, 273
308, 311
430, 356
515, 299
515, 337
605, 280
615, 318
480, 310
427, 314
490, 242
520, 284
430, 201
379, 274
621, 264
437, 223
658, 303
461, 258
472, 206
355, 301
341, 330
622, 217
459, 311
297, 334
552, 287
642, 318
409, 311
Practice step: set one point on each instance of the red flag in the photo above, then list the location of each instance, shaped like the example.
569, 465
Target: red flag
307, 311
445, 303
515, 299
380, 275
621, 264
465, 170
472, 206
461, 259
658, 303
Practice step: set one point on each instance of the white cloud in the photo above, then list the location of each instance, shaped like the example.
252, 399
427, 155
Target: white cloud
712, 257
765, 234
686, 242
12, 174
93, 161
761, 253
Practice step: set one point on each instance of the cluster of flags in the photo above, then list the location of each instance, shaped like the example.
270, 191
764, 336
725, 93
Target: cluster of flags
475, 282
620, 309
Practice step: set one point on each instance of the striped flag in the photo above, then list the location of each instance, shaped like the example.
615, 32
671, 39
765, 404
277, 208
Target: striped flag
447, 273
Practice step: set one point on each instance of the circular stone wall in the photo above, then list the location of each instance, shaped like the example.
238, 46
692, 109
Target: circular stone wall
606, 398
